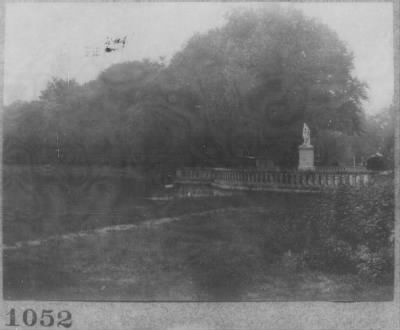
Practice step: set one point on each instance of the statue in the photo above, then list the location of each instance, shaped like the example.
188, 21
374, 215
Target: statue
306, 151
306, 135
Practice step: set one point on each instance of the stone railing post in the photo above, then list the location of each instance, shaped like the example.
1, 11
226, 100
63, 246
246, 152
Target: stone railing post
366, 179
357, 179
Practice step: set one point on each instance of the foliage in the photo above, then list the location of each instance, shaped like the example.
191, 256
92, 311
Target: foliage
239, 90
358, 235
263, 74
375, 163
378, 136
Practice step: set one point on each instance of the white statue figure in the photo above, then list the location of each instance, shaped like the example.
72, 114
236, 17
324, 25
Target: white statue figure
306, 135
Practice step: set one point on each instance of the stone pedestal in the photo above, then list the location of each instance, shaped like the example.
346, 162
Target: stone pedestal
306, 157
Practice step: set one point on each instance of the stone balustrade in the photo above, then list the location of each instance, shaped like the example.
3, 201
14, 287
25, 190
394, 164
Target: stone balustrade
258, 179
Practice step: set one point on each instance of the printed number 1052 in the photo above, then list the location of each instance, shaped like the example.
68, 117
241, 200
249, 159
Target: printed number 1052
47, 318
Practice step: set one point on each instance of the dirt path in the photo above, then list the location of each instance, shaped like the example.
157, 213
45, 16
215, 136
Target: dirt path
122, 227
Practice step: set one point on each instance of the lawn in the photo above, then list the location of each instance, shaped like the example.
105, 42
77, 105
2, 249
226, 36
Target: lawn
224, 255
117, 239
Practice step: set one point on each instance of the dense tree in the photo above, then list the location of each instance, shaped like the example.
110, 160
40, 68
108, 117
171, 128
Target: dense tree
377, 136
264, 74
243, 89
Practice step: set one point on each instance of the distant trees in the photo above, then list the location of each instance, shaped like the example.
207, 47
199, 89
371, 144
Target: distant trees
123, 117
377, 136
243, 89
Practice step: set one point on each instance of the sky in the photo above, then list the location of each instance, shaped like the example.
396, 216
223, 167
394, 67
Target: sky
43, 40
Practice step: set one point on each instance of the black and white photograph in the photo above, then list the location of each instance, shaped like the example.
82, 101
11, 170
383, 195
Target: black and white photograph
197, 152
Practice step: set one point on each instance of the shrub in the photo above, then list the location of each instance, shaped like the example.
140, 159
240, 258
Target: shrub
332, 255
355, 233
374, 265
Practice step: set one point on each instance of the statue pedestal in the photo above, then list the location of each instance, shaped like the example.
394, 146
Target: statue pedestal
306, 157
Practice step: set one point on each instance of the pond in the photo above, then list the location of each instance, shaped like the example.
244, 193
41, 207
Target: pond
36, 206
119, 238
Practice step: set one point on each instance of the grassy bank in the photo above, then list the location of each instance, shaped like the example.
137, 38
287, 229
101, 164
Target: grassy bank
238, 246
231, 255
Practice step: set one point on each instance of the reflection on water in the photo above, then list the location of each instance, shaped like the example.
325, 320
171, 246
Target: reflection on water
214, 245
190, 191
37, 206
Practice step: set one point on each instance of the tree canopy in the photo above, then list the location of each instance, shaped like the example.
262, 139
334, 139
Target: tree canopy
264, 74
239, 90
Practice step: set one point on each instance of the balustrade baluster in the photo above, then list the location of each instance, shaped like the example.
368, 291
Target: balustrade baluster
285, 178
365, 179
